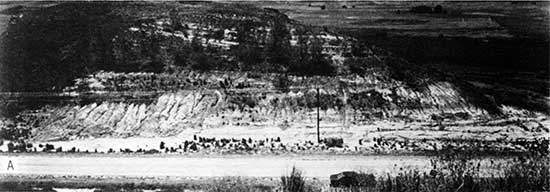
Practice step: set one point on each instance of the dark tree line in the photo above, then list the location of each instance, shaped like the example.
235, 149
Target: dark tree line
49, 48
46, 50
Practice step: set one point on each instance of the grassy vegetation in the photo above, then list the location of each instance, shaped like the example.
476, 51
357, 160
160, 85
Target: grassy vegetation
461, 172
46, 183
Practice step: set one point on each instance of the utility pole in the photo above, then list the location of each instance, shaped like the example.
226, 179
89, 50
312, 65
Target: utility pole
318, 119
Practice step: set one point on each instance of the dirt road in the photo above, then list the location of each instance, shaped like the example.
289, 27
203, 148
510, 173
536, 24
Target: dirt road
268, 166
219, 166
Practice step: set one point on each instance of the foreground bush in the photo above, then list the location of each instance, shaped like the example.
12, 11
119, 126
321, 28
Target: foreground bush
294, 182
527, 174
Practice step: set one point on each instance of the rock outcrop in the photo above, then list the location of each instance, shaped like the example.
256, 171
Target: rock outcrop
160, 68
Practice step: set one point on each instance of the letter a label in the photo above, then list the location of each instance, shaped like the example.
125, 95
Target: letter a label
10, 165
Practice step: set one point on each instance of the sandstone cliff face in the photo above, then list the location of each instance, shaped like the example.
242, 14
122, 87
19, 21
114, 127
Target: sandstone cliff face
164, 117
259, 105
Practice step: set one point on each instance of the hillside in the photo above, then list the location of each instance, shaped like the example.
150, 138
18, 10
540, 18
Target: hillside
141, 69
152, 37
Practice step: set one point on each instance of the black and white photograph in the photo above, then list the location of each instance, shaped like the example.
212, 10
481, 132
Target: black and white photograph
275, 96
